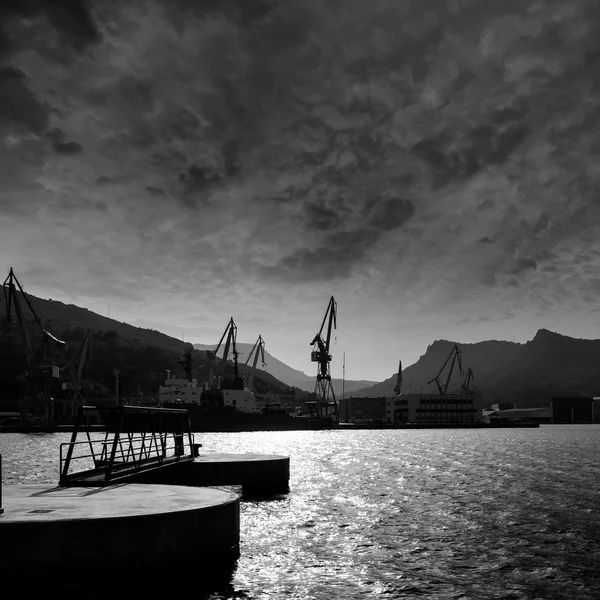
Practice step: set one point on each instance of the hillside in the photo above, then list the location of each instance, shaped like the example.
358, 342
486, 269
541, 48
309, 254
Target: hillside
288, 375
549, 364
141, 355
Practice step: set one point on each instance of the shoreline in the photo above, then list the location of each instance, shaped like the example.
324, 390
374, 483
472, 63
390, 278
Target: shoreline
317, 427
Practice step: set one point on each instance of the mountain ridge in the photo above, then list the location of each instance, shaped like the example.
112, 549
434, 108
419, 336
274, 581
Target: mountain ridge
288, 374
549, 364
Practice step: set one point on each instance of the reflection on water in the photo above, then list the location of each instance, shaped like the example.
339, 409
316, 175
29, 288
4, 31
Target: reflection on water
427, 513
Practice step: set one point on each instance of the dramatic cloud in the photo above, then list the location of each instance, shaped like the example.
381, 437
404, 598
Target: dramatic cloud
429, 163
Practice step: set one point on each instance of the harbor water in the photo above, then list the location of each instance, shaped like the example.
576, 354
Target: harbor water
436, 514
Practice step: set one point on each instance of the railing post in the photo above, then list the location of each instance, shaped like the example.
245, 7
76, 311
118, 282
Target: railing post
1, 509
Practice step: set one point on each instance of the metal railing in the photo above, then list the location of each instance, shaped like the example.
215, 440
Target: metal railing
136, 439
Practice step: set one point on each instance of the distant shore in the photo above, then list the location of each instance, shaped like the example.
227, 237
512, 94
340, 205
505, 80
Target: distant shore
341, 426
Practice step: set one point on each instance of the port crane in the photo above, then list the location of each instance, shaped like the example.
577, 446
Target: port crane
453, 358
325, 403
469, 377
398, 388
41, 371
229, 335
257, 350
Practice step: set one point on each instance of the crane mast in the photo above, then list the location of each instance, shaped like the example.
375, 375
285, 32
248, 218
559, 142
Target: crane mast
40, 372
325, 403
398, 388
453, 358
469, 377
257, 350
229, 335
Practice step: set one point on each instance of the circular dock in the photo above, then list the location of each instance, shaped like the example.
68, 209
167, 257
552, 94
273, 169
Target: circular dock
256, 473
128, 528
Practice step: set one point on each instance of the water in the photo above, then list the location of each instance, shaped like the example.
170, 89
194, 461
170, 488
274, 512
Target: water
436, 514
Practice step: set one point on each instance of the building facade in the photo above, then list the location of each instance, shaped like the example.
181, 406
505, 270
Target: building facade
362, 410
434, 408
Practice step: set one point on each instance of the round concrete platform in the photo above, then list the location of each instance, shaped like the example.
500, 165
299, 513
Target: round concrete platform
124, 527
262, 473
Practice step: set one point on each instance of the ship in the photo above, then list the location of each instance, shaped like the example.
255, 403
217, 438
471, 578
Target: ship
228, 405
232, 409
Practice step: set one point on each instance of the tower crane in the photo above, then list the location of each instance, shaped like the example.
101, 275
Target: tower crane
469, 377
398, 388
325, 403
258, 350
453, 357
41, 372
16, 320
229, 335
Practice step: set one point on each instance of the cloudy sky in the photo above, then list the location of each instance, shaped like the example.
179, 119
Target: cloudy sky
434, 165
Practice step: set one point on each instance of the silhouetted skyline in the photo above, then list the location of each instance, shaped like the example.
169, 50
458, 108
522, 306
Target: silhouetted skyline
432, 165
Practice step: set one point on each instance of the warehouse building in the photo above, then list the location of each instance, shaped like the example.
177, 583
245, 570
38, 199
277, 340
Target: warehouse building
435, 408
572, 410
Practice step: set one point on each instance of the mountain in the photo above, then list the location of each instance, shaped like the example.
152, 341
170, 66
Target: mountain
285, 373
141, 355
550, 364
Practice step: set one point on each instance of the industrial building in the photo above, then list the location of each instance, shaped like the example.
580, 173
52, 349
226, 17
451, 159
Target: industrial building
363, 410
572, 410
435, 408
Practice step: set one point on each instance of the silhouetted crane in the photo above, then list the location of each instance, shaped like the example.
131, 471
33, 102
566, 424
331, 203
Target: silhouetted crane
398, 388
455, 356
325, 402
41, 372
229, 335
469, 377
257, 350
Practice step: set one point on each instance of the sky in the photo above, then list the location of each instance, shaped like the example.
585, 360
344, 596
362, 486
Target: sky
432, 165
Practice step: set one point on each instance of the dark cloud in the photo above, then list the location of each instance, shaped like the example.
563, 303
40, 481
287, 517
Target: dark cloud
199, 180
321, 217
457, 155
70, 18
20, 108
67, 148
60, 145
337, 253
523, 264
110, 179
155, 191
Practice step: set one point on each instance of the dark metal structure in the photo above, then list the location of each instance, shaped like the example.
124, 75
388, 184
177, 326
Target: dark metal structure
398, 387
453, 358
325, 405
469, 378
230, 336
137, 439
41, 369
257, 350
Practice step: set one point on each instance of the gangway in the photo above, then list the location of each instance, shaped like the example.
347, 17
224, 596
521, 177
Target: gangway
137, 439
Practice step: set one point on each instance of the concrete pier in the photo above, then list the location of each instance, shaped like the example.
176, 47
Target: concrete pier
256, 473
123, 528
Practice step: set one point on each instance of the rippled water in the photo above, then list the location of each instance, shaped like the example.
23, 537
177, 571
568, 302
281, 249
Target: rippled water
440, 514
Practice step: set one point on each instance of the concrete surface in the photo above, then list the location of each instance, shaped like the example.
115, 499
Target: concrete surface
121, 528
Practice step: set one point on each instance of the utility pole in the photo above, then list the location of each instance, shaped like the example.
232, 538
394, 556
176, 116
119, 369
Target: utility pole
343, 375
116, 373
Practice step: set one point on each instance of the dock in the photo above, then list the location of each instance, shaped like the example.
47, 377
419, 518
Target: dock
129, 527
255, 473
133, 499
